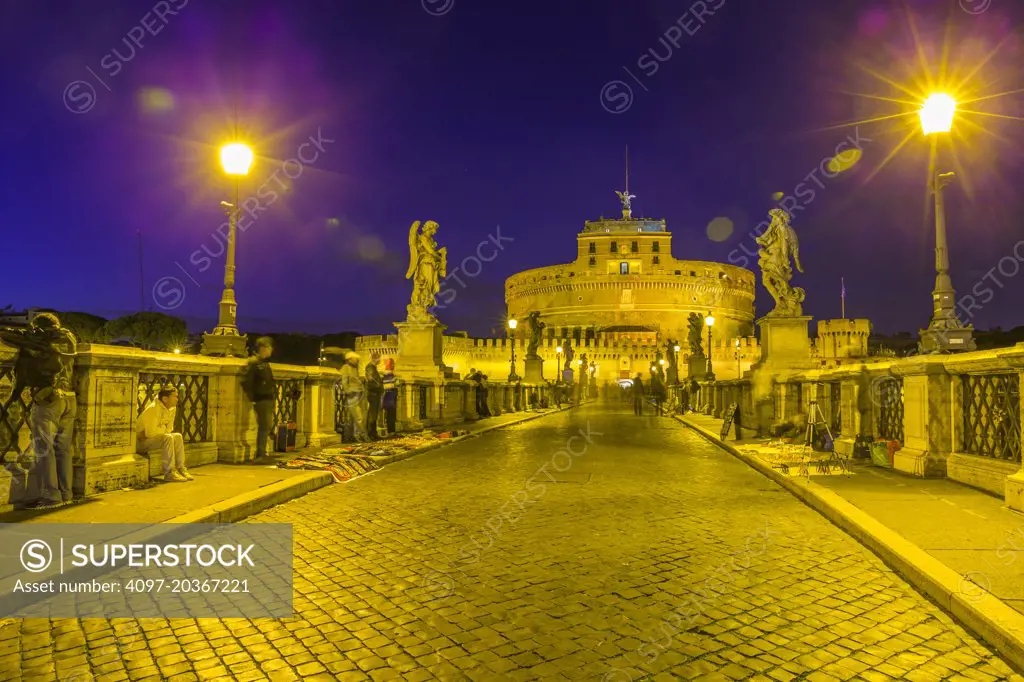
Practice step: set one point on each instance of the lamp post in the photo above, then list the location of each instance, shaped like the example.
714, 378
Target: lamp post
558, 364
945, 331
739, 373
512, 324
235, 159
710, 322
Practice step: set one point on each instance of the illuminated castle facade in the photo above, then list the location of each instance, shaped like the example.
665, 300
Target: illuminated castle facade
625, 281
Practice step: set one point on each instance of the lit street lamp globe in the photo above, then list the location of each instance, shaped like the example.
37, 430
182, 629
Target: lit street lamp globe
236, 158
937, 114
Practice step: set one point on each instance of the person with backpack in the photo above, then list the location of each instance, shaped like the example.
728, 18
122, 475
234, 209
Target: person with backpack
45, 364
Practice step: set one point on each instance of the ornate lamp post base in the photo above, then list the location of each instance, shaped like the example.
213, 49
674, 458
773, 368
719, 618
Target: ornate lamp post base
224, 342
937, 339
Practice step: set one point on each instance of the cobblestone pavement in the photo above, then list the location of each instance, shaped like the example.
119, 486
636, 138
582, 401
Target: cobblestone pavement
647, 553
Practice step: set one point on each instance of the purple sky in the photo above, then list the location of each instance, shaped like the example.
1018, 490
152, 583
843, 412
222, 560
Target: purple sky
476, 115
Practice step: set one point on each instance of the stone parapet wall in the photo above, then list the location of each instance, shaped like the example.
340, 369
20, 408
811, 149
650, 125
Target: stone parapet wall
956, 416
113, 384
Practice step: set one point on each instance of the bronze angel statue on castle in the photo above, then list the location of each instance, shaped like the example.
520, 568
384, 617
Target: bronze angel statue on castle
428, 265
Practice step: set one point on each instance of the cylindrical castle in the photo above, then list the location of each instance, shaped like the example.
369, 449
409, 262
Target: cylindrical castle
625, 280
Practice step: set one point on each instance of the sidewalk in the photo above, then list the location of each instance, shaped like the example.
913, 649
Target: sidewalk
225, 492
975, 542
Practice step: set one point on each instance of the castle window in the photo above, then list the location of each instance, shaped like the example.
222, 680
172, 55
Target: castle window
655, 247
635, 247
679, 272
593, 261
593, 247
657, 260
615, 247
623, 268
693, 273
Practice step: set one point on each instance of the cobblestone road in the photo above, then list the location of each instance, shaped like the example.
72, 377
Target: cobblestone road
589, 545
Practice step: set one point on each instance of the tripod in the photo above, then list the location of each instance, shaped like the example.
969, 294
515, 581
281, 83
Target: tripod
816, 418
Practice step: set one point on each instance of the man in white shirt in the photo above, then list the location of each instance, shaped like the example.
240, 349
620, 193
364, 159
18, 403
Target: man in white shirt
155, 431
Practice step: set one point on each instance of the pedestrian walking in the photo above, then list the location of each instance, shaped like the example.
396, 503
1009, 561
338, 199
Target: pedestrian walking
638, 395
374, 393
261, 389
353, 392
389, 401
658, 392
45, 364
155, 431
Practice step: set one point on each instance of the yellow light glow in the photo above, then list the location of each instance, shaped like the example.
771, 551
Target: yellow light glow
937, 114
512, 324
558, 350
236, 158
709, 321
661, 362
177, 351
677, 348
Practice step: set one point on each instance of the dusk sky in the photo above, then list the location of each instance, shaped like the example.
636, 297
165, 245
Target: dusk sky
486, 114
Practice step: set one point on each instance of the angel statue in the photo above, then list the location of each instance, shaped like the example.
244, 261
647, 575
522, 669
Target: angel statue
534, 326
626, 198
569, 355
696, 334
427, 266
778, 244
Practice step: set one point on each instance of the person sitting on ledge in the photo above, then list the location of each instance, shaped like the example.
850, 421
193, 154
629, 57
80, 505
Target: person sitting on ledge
156, 431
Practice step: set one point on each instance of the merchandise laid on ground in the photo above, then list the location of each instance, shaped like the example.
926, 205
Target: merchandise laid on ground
797, 459
345, 462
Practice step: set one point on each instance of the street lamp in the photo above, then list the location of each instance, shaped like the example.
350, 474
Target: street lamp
558, 364
710, 322
739, 372
512, 324
945, 331
236, 159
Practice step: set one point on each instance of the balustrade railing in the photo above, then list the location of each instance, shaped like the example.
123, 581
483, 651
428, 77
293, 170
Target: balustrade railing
833, 393
286, 406
991, 416
191, 417
14, 411
890, 408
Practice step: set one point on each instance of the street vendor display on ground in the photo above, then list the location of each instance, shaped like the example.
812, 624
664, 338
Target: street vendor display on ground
797, 459
348, 461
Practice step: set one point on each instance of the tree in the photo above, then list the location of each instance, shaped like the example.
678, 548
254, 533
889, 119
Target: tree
86, 327
155, 331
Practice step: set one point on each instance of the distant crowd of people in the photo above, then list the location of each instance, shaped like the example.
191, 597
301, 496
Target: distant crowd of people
656, 392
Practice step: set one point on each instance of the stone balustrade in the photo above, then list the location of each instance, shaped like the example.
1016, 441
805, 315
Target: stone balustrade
957, 416
113, 384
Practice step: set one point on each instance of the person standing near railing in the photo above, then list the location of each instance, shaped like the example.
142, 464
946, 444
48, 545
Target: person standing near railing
46, 357
261, 389
374, 393
390, 400
353, 391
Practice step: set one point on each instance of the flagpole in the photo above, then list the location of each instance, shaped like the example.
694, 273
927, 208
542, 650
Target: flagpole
842, 281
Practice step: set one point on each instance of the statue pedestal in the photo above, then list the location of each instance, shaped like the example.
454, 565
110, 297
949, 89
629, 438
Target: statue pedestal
784, 343
567, 376
534, 371
697, 366
419, 350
